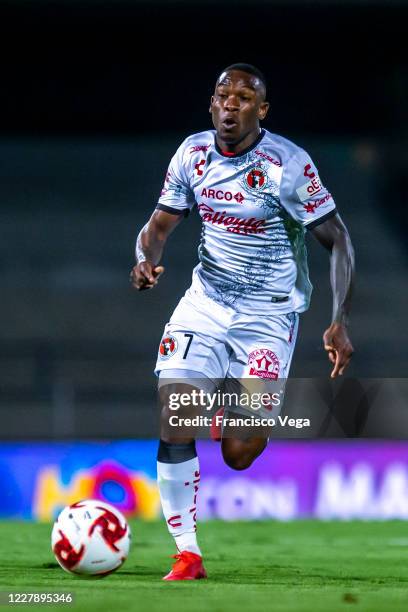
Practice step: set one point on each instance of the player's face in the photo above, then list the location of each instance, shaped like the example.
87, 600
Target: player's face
237, 106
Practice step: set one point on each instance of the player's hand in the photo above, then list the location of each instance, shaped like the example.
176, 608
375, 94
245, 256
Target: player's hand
338, 346
145, 276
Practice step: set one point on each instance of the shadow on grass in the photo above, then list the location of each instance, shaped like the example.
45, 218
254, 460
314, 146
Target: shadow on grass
136, 571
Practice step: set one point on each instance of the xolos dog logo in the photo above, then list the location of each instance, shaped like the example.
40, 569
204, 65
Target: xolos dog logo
263, 363
256, 178
168, 346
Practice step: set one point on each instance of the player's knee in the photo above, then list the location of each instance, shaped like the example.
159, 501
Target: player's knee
240, 454
170, 395
174, 435
169, 433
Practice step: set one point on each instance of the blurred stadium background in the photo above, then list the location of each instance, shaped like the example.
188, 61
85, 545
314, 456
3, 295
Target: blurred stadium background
95, 98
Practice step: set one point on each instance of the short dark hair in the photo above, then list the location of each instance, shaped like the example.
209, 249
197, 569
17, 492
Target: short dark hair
249, 68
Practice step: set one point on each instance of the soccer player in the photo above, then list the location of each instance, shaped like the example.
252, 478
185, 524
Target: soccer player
257, 193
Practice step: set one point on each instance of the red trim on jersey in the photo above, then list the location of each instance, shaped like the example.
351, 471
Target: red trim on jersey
245, 151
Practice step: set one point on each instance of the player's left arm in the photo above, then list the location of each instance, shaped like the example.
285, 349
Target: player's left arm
333, 235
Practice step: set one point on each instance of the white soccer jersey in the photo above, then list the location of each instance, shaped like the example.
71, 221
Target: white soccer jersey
254, 207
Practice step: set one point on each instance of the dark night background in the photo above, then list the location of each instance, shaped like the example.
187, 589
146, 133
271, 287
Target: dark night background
134, 68
95, 97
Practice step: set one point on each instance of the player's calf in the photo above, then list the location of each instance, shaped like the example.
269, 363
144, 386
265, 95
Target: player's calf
178, 475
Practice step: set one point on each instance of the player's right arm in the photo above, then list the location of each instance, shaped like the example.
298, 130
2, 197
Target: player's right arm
149, 249
175, 202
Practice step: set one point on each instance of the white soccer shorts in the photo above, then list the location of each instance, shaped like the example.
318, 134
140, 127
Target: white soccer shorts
206, 340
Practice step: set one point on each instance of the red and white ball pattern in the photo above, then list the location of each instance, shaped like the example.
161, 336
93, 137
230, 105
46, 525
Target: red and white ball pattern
90, 537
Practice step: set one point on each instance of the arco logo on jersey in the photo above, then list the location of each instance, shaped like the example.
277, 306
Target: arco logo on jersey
168, 346
256, 178
219, 194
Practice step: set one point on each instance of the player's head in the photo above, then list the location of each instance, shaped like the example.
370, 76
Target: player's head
239, 102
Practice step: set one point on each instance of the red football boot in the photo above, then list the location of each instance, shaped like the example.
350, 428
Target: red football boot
216, 429
188, 566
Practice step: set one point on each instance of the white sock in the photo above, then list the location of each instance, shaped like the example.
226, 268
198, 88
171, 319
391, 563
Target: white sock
178, 486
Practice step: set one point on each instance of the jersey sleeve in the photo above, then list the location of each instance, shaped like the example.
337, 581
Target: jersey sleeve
177, 197
302, 194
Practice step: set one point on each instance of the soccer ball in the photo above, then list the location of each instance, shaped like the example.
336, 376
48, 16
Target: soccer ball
90, 538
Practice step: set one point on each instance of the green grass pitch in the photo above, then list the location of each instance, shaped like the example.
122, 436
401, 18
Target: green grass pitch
254, 566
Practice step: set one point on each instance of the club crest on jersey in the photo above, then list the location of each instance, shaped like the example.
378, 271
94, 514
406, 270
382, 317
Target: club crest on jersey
168, 346
256, 178
264, 364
